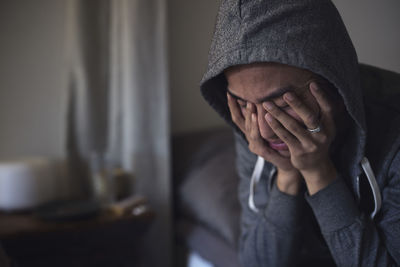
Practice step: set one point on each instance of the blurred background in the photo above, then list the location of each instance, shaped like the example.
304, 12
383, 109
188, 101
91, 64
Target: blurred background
33, 57
47, 84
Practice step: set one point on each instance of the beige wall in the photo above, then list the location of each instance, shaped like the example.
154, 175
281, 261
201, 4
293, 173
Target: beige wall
31, 54
373, 26
191, 24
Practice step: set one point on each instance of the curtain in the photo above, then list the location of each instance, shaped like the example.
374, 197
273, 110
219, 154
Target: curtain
118, 101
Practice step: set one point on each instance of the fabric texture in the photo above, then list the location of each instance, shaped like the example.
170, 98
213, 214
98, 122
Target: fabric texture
310, 34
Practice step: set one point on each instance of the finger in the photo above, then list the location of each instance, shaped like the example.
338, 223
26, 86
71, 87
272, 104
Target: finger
254, 131
281, 131
321, 98
325, 104
285, 125
257, 143
247, 113
309, 117
250, 110
236, 113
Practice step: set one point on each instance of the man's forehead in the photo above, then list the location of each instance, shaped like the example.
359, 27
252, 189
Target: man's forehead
260, 82
268, 95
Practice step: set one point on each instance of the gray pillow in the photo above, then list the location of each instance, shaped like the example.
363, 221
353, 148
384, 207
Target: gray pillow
209, 190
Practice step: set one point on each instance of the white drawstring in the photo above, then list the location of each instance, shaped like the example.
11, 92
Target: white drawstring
258, 168
255, 178
374, 186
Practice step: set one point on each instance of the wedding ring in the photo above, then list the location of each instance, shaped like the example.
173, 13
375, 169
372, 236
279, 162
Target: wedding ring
315, 130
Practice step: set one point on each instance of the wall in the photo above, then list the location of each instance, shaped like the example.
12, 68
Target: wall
191, 24
31, 53
373, 26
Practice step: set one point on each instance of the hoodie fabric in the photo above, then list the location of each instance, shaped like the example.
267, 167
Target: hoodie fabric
333, 225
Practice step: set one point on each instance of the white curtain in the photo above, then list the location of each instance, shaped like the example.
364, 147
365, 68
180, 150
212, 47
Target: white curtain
118, 100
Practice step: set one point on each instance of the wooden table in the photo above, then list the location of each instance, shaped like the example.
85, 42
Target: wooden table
109, 239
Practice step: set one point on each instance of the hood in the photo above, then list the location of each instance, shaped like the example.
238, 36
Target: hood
307, 34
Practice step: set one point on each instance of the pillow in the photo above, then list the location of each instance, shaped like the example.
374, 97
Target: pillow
209, 191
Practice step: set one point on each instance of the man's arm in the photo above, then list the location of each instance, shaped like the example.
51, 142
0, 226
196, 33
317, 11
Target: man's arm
353, 238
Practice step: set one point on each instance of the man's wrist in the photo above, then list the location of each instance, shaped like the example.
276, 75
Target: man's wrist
319, 178
289, 182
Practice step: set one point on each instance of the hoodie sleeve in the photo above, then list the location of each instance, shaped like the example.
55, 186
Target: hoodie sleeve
353, 238
270, 237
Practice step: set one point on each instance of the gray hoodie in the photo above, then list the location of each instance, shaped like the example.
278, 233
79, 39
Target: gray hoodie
355, 221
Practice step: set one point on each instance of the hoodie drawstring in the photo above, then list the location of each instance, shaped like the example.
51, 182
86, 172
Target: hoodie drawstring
255, 178
259, 166
373, 184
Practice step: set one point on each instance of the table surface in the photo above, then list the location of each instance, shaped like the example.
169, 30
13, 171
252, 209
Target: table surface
18, 224
113, 237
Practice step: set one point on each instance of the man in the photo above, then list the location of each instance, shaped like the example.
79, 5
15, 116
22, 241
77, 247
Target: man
285, 75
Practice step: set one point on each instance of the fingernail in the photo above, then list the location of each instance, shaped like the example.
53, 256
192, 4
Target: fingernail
268, 117
268, 105
289, 96
253, 117
314, 86
248, 105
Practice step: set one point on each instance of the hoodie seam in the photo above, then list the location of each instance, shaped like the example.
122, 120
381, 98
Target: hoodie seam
240, 10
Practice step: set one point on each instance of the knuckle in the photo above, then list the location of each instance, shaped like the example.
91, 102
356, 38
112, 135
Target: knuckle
298, 104
294, 127
285, 137
277, 113
253, 135
312, 148
246, 128
311, 118
323, 138
297, 153
273, 124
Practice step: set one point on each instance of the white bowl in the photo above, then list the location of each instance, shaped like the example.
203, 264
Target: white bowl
25, 184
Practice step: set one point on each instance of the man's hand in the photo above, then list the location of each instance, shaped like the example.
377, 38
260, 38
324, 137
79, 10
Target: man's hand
288, 178
309, 151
